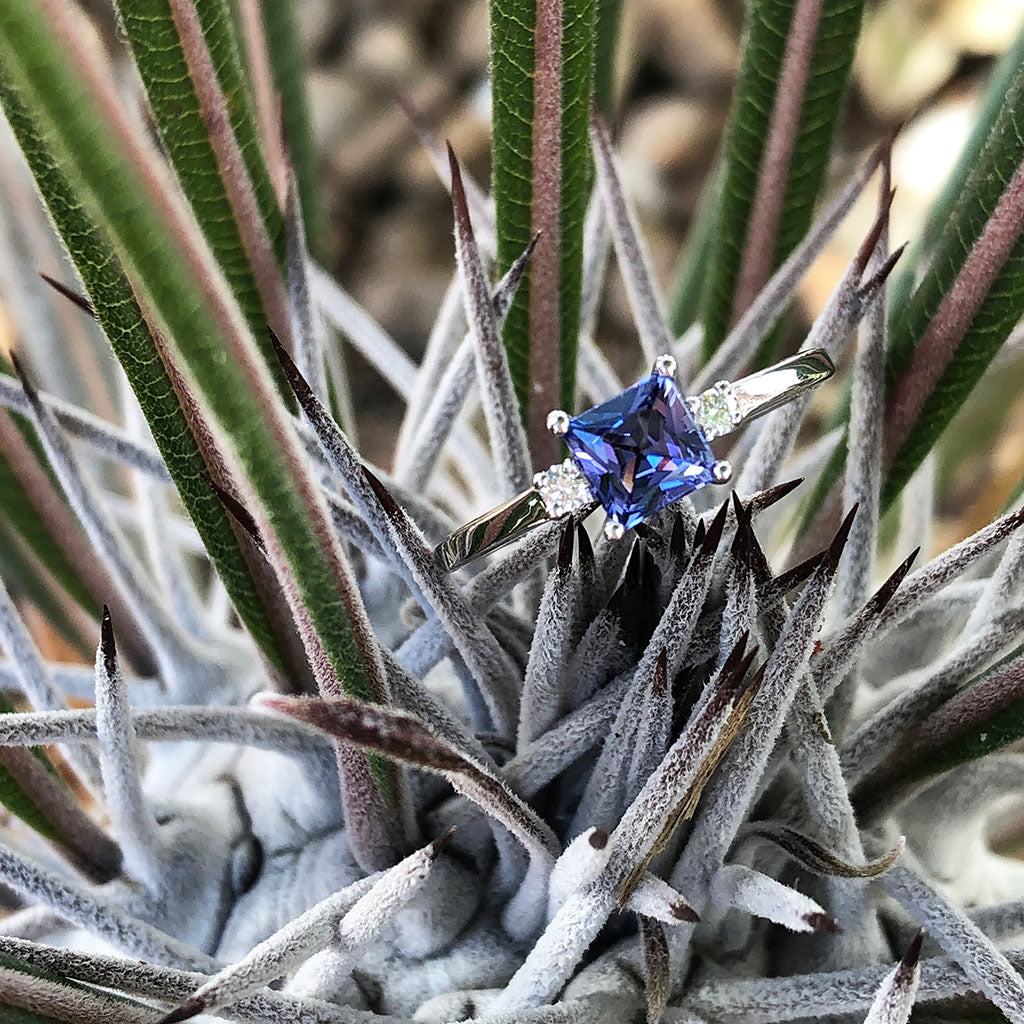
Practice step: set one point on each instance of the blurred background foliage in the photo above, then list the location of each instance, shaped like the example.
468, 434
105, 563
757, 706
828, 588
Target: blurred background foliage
386, 220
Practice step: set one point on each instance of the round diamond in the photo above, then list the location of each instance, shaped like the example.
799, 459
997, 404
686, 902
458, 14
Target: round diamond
715, 411
563, 489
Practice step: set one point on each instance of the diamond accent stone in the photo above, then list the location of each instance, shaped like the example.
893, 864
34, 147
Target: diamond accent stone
563, 489
641, 450
715, 410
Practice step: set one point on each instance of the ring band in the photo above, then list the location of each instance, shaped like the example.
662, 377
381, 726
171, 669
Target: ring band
637, 453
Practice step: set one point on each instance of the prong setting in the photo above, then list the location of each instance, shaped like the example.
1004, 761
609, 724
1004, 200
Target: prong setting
722, 472
665, 365
558, 422
614, 530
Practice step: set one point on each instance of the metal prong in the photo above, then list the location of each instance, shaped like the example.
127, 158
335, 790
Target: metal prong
722, 472
614, 530
558, 422
665, 366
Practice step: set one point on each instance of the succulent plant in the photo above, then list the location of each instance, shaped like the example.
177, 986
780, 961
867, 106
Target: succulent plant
741, 765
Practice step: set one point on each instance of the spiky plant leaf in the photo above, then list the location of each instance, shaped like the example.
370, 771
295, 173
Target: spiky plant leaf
945, 332
969, 300
138, 349
1001, 80
606, 38
542, 60
650, 756
796, 57
23, 519
180, 116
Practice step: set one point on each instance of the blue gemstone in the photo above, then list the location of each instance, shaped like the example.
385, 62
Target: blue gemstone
641, 450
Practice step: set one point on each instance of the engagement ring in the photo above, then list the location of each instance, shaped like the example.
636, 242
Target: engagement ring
638, 452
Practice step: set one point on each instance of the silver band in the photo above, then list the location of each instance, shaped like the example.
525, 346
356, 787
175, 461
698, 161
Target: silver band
719, 410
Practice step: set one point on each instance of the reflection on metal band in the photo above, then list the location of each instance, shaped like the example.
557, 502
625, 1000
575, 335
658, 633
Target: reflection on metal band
761, 392
500, 526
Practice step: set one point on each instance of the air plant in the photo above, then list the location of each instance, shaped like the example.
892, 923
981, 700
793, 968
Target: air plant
740, 766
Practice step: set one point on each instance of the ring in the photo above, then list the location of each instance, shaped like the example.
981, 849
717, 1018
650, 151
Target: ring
637, 453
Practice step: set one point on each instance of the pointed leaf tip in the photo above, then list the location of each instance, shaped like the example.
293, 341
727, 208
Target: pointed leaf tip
682, 911
565, 546
583, 545
77, 298
835, 550
823, 923
382, 494
715, 530
458, 189
108, 646
677, 542
775, 494
298, 383
238, 512
189, 1009
698, 535
881, 275
887, 590
435, 848
913, 953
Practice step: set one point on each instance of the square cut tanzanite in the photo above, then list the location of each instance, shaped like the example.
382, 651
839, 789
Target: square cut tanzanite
641, 450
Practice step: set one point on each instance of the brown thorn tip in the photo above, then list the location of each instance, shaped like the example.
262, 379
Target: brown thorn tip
682, 911
699, 533
585, 548
913, 953
598, 839
715, 530
435, 848
70, 294
458, 193
835, 549
565, 546
188, 1009
823, 923
382, 494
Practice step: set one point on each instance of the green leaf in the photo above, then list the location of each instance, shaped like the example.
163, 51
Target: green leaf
184, 291
95, 150
1002, 79
122, 320
828, 65
1004, 76
289, 66
156, 46
609, 21
934, 359
20, 573
517, 196
21, 516
20, 803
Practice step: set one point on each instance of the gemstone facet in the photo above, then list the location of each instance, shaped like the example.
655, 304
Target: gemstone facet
563, 489
641, 450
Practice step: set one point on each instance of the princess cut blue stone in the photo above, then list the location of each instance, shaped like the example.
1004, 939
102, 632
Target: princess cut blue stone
641, 450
